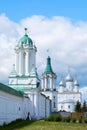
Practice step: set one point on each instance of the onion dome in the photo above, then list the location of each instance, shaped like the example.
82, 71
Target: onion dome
48, 69
25, 39
61, 83
76, 83
69, 78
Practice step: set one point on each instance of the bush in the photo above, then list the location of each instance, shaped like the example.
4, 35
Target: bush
58, 118
54, 118
66, 119
85, 120
80, 120
73, 120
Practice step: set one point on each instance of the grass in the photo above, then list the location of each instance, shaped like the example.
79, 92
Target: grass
43, 125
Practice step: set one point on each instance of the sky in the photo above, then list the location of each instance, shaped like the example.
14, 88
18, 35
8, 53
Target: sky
57, 25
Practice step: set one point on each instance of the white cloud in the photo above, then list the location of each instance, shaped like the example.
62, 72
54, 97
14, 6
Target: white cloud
67, 42
84, 93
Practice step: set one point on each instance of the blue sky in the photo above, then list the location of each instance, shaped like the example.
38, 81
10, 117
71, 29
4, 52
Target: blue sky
19, 9
57, 25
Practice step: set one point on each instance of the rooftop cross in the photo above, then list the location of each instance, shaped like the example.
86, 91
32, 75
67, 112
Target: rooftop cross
47, 51
25, 30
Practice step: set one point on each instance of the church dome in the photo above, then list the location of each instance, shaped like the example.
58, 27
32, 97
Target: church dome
61, 83
69, 78
76, 83
25, 40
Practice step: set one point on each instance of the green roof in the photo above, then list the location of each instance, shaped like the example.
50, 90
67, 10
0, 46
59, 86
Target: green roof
13, 72
10, 90
48, 68
33, 72
25, 40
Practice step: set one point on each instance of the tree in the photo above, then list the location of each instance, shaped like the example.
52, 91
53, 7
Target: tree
84, 107
78, 107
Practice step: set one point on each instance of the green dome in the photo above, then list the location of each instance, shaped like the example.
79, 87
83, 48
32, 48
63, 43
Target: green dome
25, 40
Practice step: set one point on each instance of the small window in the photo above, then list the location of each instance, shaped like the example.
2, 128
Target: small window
19, 108
54, 97
69, 106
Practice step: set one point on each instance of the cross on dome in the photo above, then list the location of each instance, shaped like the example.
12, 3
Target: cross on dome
25, 30
68, 77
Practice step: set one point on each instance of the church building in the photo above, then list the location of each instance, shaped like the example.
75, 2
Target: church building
29, 93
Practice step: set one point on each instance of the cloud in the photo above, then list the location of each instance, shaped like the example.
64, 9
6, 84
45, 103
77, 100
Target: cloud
84, 93
66, 41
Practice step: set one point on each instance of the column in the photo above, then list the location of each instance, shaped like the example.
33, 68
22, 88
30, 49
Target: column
17, 62
54, 83
27, 63
33, 57
36, 105
45, 83
42, 84
24, 55
51, 83
21, 62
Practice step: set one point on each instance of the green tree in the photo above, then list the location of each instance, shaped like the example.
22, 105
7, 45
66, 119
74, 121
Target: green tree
78, 107
84, 107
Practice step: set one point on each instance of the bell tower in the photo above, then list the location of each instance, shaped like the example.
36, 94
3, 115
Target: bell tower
25, 62
25, 53
48, 77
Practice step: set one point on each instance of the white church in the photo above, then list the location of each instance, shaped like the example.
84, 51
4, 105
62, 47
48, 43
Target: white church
29, 93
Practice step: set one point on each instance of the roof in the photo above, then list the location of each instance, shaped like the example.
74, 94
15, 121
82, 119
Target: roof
76, 83
13, 72
10, 90
25, 40
61, 83
48, 68
33, 72
69, 78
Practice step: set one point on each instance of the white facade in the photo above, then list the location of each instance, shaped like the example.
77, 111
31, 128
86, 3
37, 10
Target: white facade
42, 96
68, 94
67, 101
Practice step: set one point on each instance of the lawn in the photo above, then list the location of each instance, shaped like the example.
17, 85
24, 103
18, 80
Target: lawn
44, 125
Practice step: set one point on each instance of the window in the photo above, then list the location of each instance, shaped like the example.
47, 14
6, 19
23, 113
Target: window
54, 105
19, 108
69, 106
54, 97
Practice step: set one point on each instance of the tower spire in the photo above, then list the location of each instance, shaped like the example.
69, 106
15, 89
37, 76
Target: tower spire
25, 30
48, 68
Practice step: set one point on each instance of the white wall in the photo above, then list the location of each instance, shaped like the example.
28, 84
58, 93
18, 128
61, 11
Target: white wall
11, 107
44, 106
53, 96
